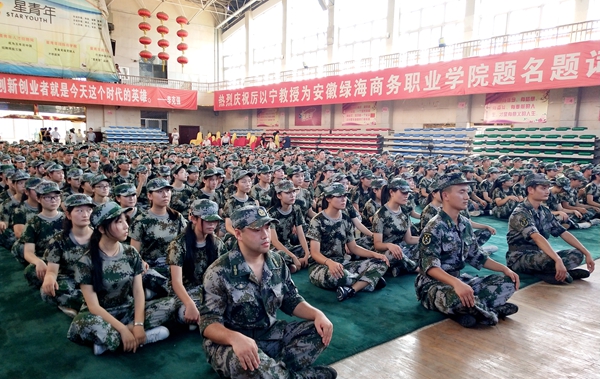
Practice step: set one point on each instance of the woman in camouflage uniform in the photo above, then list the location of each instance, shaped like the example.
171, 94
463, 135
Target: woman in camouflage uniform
115, 312
181, 194
374, 203
263, 190
39, 230
505, 200
330, 233
189, 256
86, 184
290, 228
151, 233
101, 185
16, 183
64, 251
391, 228
28, 208
243, 183
592, 190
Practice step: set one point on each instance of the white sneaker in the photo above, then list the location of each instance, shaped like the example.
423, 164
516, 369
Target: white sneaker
475, 213
149, 294
99, 349
595, 221
68, 311
193, 327
584, 225
156, 334
490, 249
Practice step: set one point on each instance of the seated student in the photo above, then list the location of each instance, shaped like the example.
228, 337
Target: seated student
242, 181
101, 187
304, 197
330, 233
571, 201
181, 194
126, 197
16, 189
568, 218
592, 190
374, 203
109, 274
424, 184
141, 179
64, 251
28, 208
477, 204
447, 242
238, 319
291, 223
73, 184
263, 190
391, 228
86, 184
529, 251
362, 192
190, 254
505, 201
151, 233
39, 230
484, 189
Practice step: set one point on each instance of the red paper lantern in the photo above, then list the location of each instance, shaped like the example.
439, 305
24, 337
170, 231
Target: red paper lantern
163, 56
162, 16
163, 43
182, 60
182, 33
143, 12
181, 20
182, 46
162, 30
144, 26
145, 40
145, 54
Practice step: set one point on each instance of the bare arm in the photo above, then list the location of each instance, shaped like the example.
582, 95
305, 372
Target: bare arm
363, 229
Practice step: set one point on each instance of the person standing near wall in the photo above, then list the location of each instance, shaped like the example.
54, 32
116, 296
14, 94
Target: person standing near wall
91, 136
55, 135
175, 137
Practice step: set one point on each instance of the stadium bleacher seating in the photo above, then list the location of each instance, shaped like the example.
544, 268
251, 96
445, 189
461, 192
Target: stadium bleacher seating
131, 134
445, 141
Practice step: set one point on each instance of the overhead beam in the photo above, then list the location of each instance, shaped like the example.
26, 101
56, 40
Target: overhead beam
236, 13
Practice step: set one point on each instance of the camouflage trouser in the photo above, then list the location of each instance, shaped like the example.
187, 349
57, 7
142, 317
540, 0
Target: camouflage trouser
589, 215
156, 279
197, 296
503, 212
422, 202
18, 251
538, 262
364, 270
490, 292
281, 356
404, 265
67, 294
31, 276
89, 328
8, 238
298, 251
482, 235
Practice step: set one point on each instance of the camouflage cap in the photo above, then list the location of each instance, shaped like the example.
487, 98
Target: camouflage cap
31, 183
82, 155
493, 170
467, 168
264, 169
78, 199
192, 169
157, 184
164, 170
99, 178
106, 211
504, 178
75, 173
367, 174
5, 157
503, 158
399, 183
169, 161
576, 175
563, 182
327, 167
19, 158
141, 169
551, 167
37, 163
252, 169
122, 160
378, 183
294, 170
405, 175
125, 189
430, 167
211, 159
452, 179
54, 167
338, 177
206, 209
19, 175
219, 171
307, 177
334, 189
536, 179
240, 174
195, 160
284, 186
94, 159
46, 187
252, 217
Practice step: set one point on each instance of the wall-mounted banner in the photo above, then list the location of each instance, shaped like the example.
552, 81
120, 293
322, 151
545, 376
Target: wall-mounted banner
308, 116
566, 66
65, 39
517, 107
359, 114
267, 117
50, 90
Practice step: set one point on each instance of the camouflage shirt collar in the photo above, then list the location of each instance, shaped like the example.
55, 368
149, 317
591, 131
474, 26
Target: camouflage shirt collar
240, 268
448, 221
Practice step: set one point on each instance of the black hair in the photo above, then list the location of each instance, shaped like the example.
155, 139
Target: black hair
385, 193
173, 173
275, 201
67, 224
189, 259
108, 168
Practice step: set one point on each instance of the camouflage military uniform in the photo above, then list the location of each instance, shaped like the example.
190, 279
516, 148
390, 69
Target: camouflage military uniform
592, 189
155, 233
175, 257
520, 190
119, 179
233, 298
425, 183
369, 210
393, 226
304, 200
39, 230
284, 229
569, 196
429, 212
482, 235
216, 196
333, 235
7, 210
22, 214
446, 245
262, 195
230, 206
117, 299
181, 199
65, 252
360, 196
523, 253
503, 211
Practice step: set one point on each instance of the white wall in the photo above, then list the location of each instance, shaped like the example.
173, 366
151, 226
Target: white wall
100, 116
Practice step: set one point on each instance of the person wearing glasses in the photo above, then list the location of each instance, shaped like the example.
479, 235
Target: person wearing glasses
39, 230
101, 185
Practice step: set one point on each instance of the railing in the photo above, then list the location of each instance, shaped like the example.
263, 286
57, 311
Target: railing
154, 82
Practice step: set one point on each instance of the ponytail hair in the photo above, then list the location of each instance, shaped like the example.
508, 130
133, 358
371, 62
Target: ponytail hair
385, 194
189, 258
67, 224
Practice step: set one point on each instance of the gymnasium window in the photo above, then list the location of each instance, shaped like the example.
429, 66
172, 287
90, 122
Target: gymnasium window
266, 33
234, 55
362, 29
307, 33
153, 68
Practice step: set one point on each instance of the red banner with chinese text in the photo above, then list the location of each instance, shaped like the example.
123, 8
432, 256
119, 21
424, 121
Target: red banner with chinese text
566, 66
51, 90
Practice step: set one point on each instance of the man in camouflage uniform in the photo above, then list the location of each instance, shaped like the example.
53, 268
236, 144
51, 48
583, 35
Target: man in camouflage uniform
425, 184
8, 207
243, 290
447, 242
124, 175
529, 227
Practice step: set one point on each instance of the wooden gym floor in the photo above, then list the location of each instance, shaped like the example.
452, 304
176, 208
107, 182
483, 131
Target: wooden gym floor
555, 334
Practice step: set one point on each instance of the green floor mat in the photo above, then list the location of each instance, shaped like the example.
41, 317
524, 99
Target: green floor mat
34, 344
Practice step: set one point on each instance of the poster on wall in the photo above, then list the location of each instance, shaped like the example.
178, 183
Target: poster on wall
308, 116
516, 107
361, 114
267, 117
65, 39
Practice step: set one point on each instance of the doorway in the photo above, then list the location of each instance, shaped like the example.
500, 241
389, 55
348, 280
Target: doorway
188, 133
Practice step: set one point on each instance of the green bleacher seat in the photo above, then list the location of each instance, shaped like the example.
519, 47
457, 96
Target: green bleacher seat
586, 145
569, 136
505, 143
534, 152
562, 129
491, 130
521, 135
579, 128
549, 152
503, 129
532, 129
519, 143
536, 136
551, 144
570, 145
587, 136
517, 129
553, 136
508, 135
504, 151
519, 151
586, 153
535, 144
566, 152
547, 129
491, 143
477, 143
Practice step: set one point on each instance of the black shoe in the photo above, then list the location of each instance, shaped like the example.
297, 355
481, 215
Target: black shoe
467, 321
506, 310
344, 293
579, 273
551, 279
317, 372
382, 283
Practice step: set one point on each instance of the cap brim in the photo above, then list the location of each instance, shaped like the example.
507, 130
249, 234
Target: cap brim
159, 188
262, 222
211, 218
